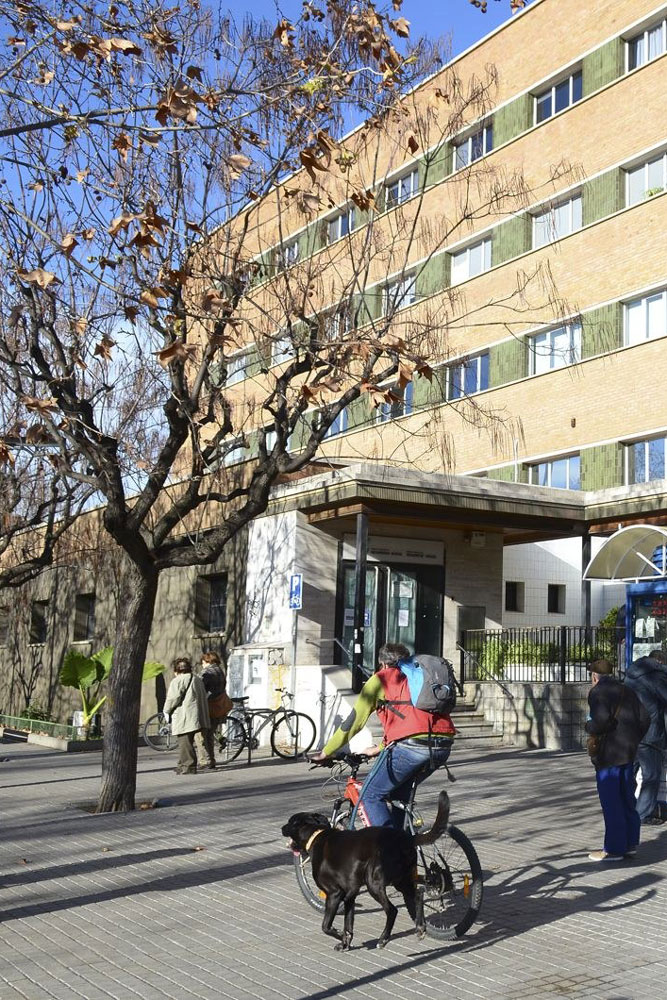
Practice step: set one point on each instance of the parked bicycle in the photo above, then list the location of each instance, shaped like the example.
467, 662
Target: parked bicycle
449, 874
292, 733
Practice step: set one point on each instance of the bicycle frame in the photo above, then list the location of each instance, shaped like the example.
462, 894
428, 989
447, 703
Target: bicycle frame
247, 717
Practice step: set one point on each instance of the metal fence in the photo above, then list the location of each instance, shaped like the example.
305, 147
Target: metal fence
39, 726
545, 654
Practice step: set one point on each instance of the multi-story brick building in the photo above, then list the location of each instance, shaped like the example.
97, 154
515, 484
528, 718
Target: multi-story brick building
523, 235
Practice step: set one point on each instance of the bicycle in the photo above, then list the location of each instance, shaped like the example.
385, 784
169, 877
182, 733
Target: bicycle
292, 733
157, 733
449, 872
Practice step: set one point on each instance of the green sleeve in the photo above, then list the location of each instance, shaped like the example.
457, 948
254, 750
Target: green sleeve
369, 696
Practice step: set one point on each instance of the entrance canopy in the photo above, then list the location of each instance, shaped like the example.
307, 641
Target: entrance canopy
630, 554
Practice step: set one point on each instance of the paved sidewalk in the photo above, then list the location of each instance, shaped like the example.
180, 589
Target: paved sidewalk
127, 906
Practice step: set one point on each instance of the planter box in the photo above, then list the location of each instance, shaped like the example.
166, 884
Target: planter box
54, 742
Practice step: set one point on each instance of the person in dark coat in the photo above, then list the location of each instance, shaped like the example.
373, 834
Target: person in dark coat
647, 677
618, 720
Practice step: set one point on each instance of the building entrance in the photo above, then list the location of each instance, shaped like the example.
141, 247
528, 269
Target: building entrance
403, 604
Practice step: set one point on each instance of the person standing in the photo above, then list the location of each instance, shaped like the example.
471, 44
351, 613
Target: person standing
647, 677
214, 680
616, 723
187, 708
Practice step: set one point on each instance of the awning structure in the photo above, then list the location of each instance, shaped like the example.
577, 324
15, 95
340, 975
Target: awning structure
628, 555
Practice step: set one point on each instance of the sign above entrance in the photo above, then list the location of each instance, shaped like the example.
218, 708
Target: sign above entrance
382, 549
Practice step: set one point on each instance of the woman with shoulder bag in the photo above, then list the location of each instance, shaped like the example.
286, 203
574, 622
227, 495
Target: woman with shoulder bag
214, 680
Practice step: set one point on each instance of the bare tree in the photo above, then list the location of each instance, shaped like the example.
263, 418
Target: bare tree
156, 164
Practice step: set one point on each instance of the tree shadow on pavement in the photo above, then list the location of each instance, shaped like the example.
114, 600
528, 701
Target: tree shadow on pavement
110, 861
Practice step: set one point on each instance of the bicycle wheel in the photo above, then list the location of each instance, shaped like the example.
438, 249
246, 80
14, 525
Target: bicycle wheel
303, 871
231, 738
157, 733
452, 885
292, 735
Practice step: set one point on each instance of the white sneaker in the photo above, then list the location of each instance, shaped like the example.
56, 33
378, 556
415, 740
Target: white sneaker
603, 856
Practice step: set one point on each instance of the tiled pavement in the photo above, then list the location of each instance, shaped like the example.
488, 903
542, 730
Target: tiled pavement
126, 906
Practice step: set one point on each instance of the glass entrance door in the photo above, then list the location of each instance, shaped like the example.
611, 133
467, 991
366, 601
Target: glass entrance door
403, 604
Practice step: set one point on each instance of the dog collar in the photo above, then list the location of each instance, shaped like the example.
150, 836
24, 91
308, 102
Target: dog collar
312, 839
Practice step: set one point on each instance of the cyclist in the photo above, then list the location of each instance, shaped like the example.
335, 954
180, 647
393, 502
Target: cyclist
413, 739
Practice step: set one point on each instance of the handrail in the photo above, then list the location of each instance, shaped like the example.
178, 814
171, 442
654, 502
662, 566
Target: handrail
333, 639
484, 671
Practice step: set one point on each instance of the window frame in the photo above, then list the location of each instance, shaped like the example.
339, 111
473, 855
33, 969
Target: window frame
399, 183
548, 214
204, 598
282, 357
468, 143
644, 165
336, 221
80, 612
235, 455
242, 356
389, 411
643, 35
645, 444
550, 91
548, 464
574, 349
402, 291
486, 243
43, 631
645, 300
285, 257
462, 366
559, 590
339, 426
519, 594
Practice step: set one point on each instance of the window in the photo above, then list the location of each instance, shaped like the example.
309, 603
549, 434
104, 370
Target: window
473, 260
4, 625
555, 348
514, 595
38, 621
647, 45
236, 366
237, 453
558, 97
401, 406
646, 318
473, 147
559, 474
211, 603
556, 598
287, 255
557, 221
645, 460
402, 189
647, 179
341, 224
400, 293
282, 349
339, 425
469, 377
336, 324
84, 617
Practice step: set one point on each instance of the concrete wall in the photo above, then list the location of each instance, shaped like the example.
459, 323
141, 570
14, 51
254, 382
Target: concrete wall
536, 715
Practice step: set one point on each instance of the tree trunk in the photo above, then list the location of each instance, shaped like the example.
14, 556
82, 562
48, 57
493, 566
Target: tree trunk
133, 628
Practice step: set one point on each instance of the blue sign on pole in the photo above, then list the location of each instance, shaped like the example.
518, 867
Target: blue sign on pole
295, 591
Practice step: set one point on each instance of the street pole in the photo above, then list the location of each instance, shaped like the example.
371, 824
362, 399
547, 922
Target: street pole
359, 602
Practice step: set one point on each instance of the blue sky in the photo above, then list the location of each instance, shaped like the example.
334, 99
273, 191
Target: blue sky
433, 18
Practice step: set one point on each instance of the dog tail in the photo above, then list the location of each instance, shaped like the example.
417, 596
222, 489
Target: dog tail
440, 822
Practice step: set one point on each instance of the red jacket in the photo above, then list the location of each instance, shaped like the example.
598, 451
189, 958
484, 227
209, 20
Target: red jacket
411, 721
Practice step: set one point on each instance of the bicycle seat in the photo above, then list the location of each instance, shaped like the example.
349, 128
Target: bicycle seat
241, 700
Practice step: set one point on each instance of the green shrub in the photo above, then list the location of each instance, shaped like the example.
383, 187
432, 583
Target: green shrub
35, 712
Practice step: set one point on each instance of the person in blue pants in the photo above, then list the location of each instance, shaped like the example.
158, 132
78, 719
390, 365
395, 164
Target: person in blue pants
617, 721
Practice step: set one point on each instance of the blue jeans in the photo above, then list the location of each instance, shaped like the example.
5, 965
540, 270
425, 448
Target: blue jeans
391, 778
650, 761
616, 788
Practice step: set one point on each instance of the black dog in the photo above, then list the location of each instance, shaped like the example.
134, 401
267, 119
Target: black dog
343, 861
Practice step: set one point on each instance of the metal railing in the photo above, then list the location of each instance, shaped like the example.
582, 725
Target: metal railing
57, 729
541, 654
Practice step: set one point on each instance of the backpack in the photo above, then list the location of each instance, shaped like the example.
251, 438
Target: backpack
431, 682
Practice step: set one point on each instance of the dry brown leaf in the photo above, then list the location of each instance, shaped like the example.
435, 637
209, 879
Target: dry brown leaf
131, 313
82, 174
88, 233
38, 277
79, 326
6, 457
401, 27
36, 186
123, 144
69, 244
38, 434
103, 349
36, 405
151, 295
194, 73
178, 351
237, 163
413, 145
123, 221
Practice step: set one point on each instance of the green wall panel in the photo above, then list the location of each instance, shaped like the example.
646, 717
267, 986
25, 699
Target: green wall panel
602, 196
508, 362
511, 239
512, 119
434, 275
436, 165
602, 66
427, 393
602, 330
602, 466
